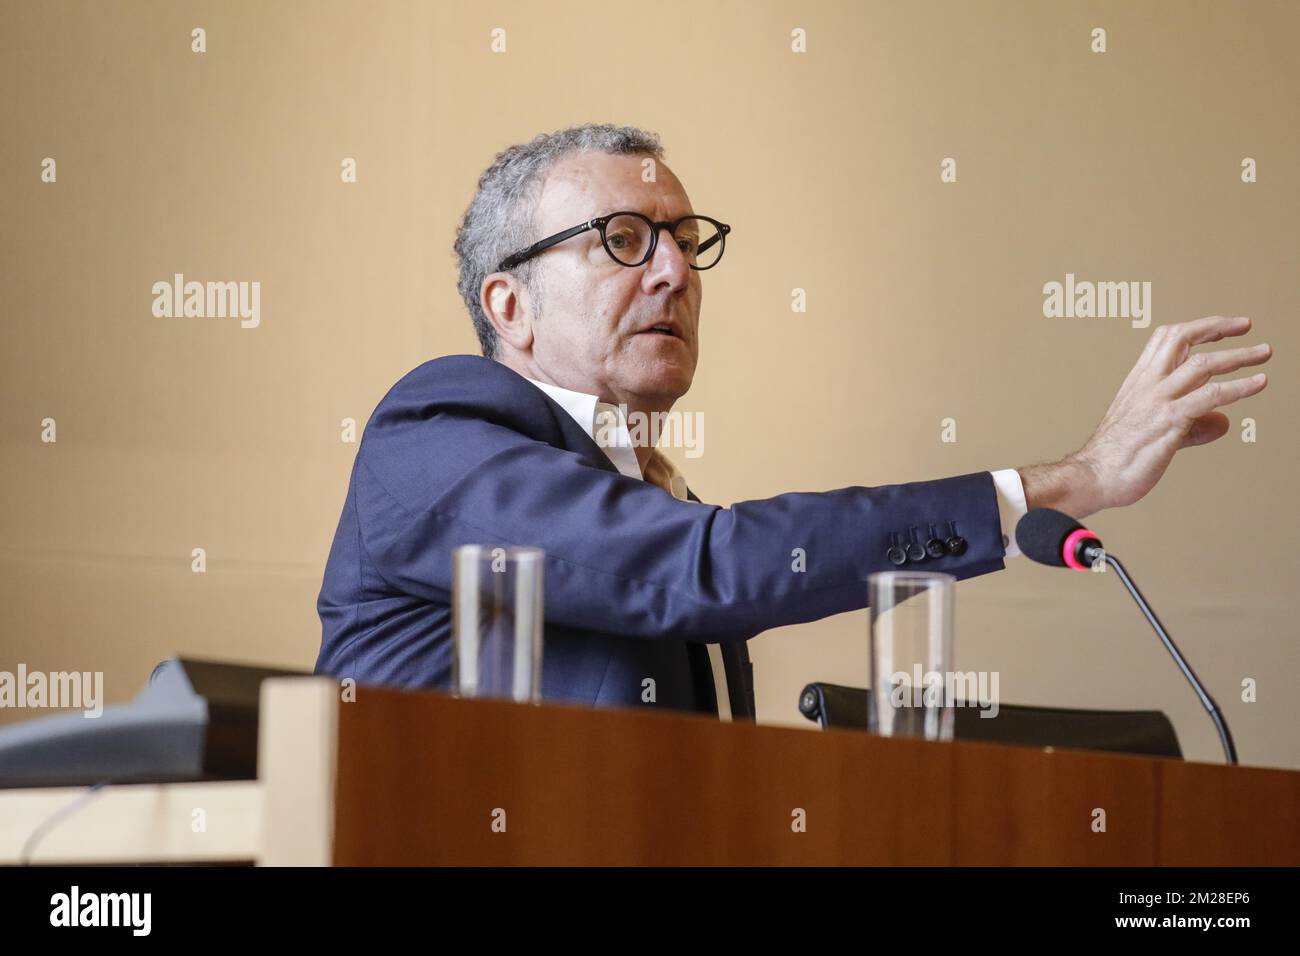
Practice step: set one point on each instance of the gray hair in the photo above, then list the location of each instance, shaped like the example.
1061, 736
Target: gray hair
499, 220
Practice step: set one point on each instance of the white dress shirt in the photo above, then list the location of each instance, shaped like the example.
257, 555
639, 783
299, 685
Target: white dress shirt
605, 425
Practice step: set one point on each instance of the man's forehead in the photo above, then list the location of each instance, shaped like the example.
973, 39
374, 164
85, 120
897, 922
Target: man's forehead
593, 184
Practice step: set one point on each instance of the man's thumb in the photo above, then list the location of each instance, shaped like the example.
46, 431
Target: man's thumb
1207, 428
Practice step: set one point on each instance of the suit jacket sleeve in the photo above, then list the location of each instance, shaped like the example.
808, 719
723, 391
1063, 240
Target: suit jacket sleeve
625, 557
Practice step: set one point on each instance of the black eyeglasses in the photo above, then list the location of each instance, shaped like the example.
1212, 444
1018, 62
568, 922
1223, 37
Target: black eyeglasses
630, 239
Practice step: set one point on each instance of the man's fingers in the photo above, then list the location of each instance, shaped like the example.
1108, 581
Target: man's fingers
1211, 395
1203, 366
1173, 345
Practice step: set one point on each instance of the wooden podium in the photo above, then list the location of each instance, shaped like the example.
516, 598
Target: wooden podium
400, 778
421, 779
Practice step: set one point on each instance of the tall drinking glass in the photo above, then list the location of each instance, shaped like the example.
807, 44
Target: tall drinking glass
911, 654
497, 622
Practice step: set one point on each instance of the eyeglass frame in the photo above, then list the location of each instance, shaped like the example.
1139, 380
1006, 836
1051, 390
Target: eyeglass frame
600, 222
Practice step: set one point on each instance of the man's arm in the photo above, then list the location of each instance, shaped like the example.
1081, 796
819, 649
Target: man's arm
625, 557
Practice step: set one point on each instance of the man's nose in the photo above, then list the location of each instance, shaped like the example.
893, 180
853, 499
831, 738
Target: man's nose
667, 267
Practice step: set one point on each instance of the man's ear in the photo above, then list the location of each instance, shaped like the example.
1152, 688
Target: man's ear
505, 302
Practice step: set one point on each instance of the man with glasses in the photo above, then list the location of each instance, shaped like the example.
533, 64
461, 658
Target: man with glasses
581, 264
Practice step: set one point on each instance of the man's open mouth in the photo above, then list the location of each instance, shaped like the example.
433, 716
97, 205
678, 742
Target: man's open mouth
663, 328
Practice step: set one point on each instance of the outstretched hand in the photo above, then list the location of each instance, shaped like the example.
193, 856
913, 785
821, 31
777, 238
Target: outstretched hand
1169, 401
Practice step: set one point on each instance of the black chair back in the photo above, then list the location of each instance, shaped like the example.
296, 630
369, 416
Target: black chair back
1146, 732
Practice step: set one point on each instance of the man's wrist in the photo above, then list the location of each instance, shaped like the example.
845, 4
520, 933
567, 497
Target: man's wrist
1069, 485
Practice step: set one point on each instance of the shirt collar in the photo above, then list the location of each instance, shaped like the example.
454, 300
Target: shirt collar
592, 416
580, 406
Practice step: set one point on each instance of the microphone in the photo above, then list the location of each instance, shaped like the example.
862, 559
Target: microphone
1053, 538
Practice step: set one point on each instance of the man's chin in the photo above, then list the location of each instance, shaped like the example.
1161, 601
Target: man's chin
664, 385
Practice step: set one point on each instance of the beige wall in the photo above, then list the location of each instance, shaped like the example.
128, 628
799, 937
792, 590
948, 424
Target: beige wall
924, 299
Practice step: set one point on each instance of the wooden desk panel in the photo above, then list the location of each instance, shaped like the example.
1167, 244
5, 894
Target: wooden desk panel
420, 775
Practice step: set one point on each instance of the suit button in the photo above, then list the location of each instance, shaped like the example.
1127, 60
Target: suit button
915, 552
956, 545
896, 554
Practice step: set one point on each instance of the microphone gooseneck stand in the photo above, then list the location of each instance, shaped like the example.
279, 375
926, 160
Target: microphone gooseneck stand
1225, 736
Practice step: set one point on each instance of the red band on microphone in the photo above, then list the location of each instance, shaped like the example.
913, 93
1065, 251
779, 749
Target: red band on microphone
1075, 537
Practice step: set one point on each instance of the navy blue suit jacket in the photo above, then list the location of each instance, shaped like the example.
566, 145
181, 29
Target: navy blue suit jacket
463, 450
